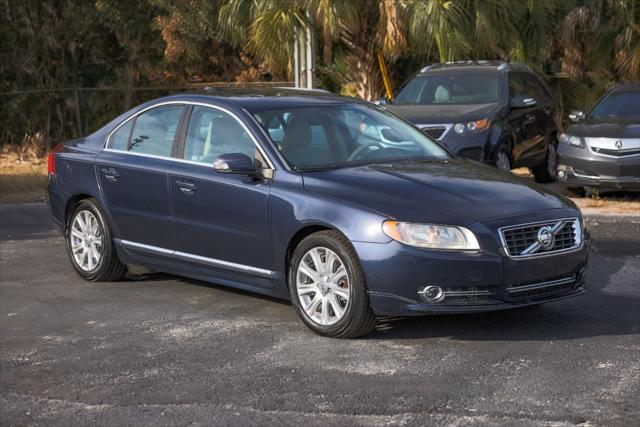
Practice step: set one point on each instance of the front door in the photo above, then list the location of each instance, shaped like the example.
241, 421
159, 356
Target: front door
220, 219
529, 133
133, 176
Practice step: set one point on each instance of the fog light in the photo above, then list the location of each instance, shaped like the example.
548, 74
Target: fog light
561, 174
432, 293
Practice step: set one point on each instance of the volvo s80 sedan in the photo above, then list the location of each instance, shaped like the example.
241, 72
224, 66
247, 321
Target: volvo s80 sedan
334, 203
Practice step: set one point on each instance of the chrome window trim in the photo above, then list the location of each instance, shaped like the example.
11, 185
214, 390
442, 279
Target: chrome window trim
579, 230
175, 159
204, 260
447, 128
602, 142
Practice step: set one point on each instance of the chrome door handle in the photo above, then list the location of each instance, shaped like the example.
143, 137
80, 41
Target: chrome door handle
111, 174
186, 186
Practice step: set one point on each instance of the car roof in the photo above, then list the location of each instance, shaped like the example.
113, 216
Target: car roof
473, 66
257, 99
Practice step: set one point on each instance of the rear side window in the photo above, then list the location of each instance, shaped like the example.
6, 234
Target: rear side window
153, 132
213, 132
120, 138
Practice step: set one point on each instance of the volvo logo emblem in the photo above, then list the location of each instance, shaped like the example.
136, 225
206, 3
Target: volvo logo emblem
619, 144
546, 237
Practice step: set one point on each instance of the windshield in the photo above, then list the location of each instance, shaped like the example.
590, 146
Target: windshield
618, 105
450, 89
330, 136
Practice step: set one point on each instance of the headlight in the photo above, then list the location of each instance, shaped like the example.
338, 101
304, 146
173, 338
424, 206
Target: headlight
431, 235
570, 139
472, 126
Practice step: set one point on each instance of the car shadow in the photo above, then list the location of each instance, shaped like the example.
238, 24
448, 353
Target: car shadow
608, 308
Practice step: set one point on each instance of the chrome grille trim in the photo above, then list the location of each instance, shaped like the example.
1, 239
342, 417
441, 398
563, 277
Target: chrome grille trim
542, 290
608, 146
539, 285
533, 249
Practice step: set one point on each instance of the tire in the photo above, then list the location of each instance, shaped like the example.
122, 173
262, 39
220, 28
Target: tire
357, 318
503, 158
546, 172
95, 258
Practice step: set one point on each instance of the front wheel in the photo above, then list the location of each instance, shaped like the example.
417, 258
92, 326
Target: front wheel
90, 245
327, 287
503, 158
546, 172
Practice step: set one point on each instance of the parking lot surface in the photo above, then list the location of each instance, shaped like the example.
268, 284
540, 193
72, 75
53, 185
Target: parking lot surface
157, 350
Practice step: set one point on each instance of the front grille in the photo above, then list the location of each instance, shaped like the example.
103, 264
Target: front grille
434, 132
531, 240
617, 153
541, 289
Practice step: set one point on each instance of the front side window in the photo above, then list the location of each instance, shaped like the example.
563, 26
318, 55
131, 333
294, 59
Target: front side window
213, 132
517, 86
153, 132
344, 135
467, 88
535, 89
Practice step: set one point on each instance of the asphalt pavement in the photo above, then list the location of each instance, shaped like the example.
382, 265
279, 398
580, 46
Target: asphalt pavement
156, 349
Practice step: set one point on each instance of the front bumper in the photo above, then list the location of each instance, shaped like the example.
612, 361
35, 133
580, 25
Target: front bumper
472, 282
580, 167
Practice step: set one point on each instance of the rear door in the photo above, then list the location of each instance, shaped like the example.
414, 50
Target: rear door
528, 133
220, 219
133, 175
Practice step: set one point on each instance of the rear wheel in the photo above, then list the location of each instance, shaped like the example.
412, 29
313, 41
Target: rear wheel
90, 245
546, 172
327, 287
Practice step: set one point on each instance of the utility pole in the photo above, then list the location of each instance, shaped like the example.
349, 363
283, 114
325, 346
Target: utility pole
304, 58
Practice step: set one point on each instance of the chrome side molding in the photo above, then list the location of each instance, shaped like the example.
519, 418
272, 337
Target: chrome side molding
218, 263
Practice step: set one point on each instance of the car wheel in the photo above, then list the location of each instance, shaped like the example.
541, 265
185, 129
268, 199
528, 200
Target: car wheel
546, 172
327, 287
90, 245
503, 159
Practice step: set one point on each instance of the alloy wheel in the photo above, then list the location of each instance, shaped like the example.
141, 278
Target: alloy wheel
86, 238
322, 285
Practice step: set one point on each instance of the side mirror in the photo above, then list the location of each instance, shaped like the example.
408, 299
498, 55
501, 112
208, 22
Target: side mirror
234, 163
576, 115
522, 101
381, 101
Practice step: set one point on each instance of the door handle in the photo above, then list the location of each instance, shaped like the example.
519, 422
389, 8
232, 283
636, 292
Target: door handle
111, 174
186, 186
531, 117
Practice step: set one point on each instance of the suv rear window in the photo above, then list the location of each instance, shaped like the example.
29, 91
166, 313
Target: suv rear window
467, 88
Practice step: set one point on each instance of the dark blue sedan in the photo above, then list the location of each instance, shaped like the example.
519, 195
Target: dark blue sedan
336, 204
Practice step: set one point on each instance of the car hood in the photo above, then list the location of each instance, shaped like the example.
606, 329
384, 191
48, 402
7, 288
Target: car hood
457, 191
426, 114
606, 129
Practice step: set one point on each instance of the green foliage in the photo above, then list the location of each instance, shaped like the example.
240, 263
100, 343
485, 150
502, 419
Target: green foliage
57, 58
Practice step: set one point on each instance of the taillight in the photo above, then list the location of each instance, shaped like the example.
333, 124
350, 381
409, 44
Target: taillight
51, 160
51, 163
